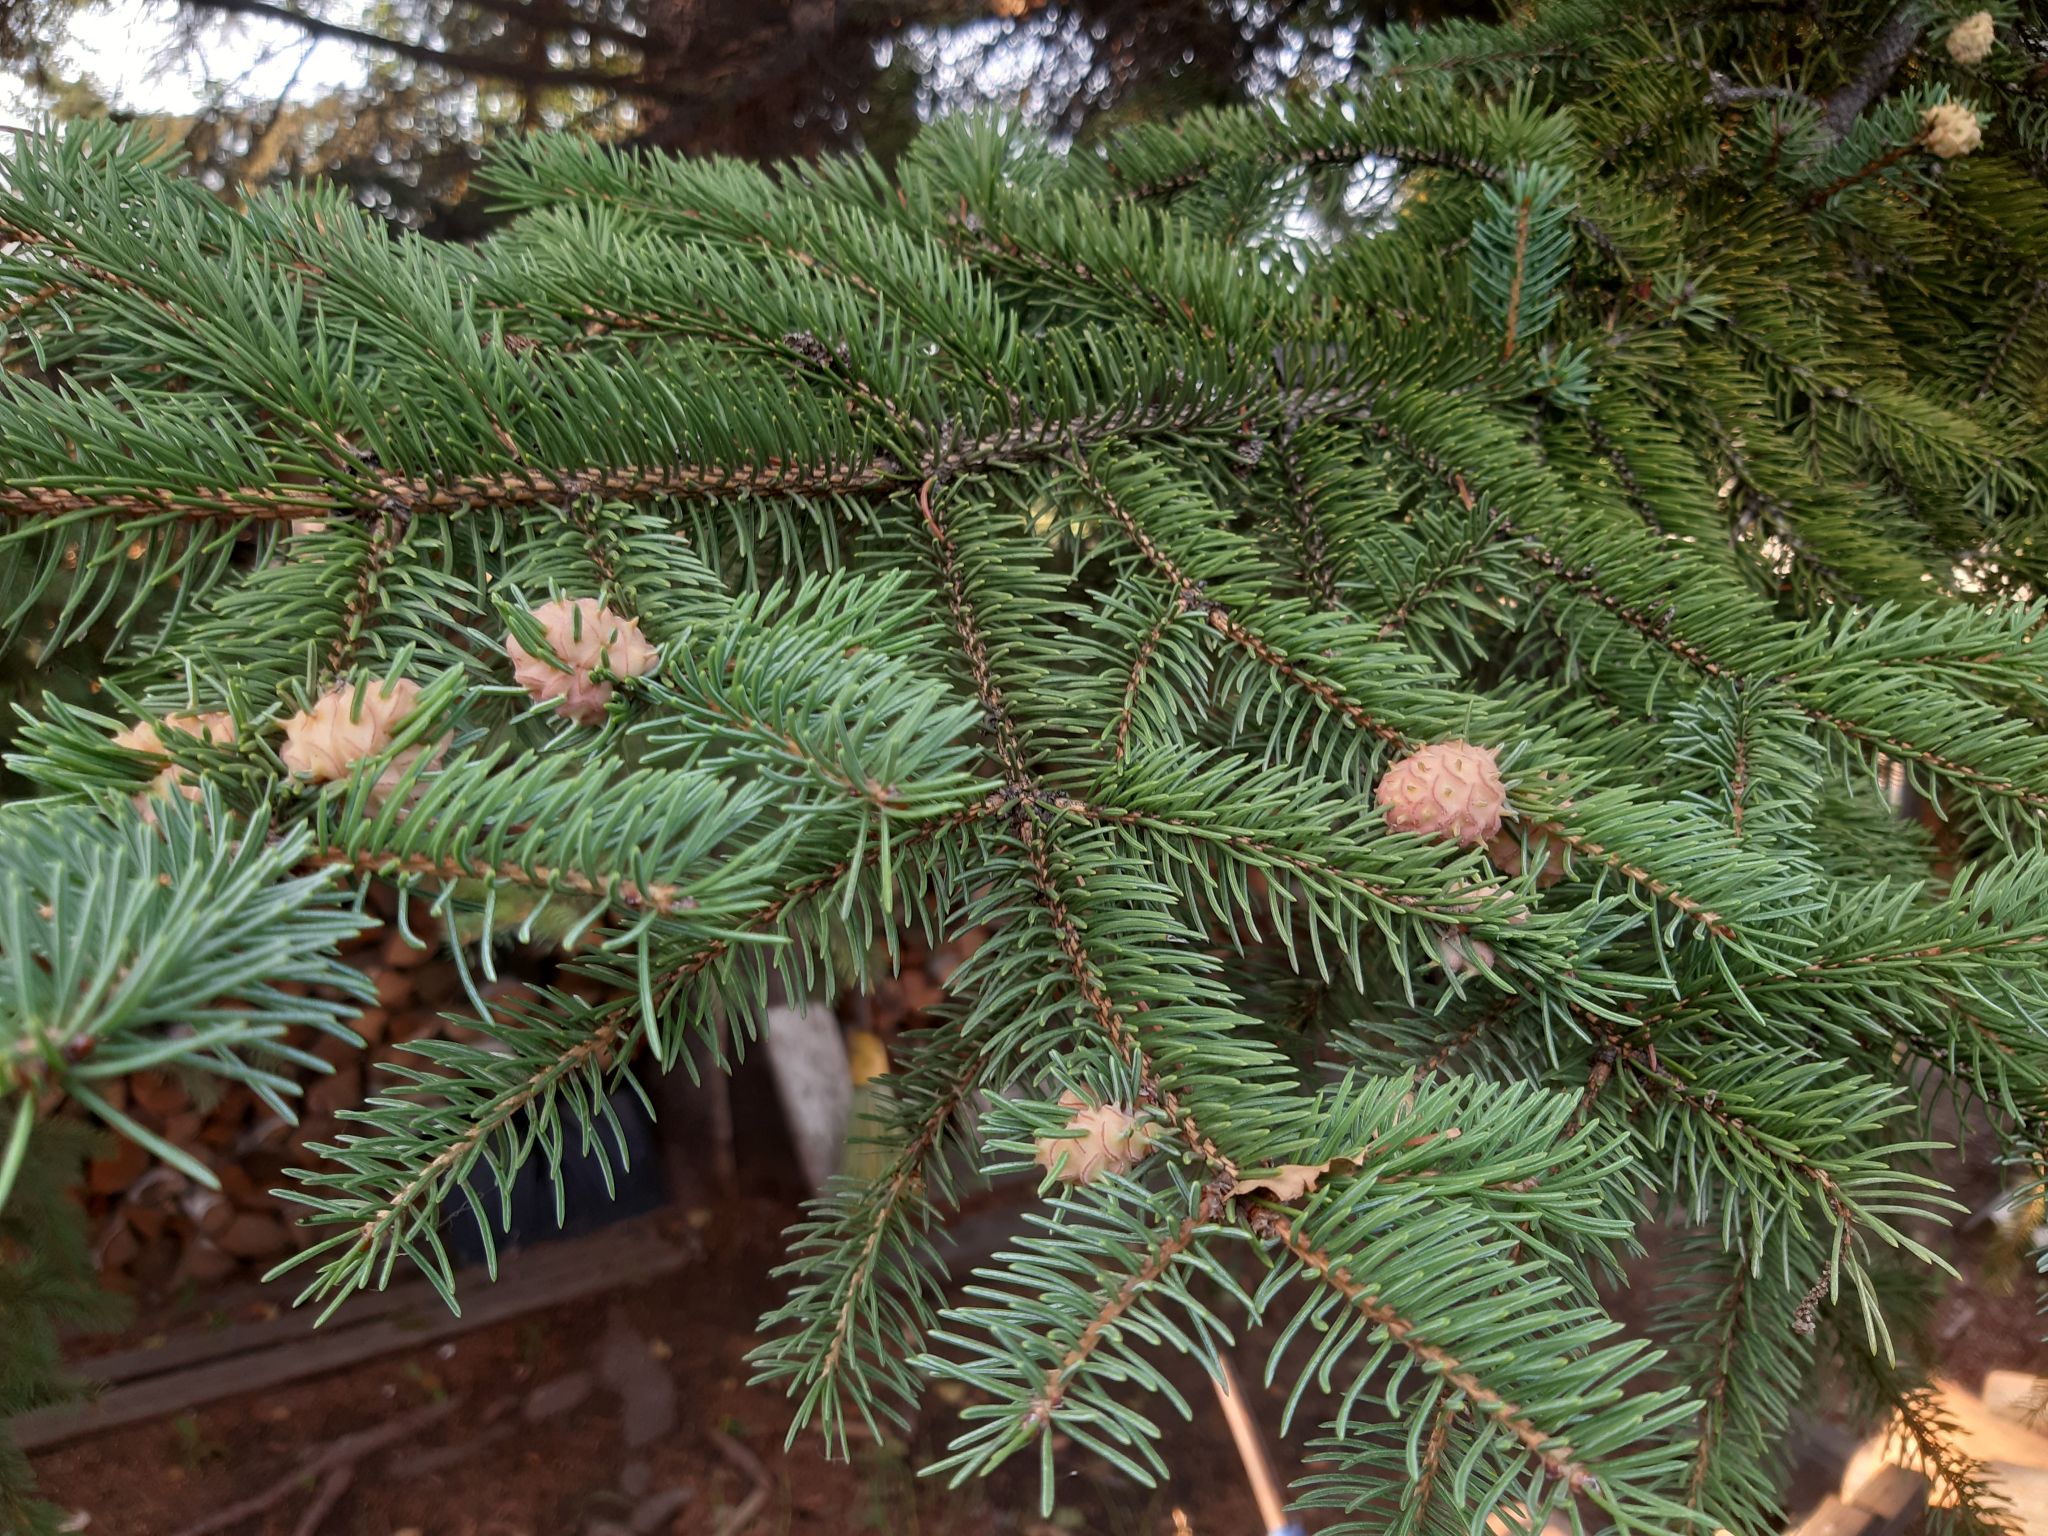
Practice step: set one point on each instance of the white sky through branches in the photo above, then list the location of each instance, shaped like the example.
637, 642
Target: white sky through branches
139, 58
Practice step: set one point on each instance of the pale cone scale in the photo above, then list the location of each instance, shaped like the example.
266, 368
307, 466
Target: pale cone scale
1448, 789
1462, 955
584, 635
325, 742
1505, 849
1949, 130
216, 726
1111, 1141
1970, 40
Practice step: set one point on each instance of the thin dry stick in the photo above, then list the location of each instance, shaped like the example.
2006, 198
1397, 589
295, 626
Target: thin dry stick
1251, 1450
340, 1455
751, 1506
330, 1493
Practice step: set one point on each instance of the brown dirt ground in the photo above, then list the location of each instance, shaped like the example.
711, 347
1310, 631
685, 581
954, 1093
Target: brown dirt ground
563, 1476
566, 1475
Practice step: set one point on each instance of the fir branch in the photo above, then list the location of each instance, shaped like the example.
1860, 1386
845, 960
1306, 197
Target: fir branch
1315, 540
1631, 487
1556, 1456
967, 627
1192, 600
386, 534
1045, 1402
905, 1175
859, 1262
1135, 681
663, 900
914, 478
1729, 1320
378, 495
1047, 885
1095, 998
1585, 581
2036, 291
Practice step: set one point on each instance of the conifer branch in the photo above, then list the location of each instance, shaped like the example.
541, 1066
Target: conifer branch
387, 532
1877, 165
1315, 539
2036, 291
663, 900
1438, 578
1624, 472
1135, 681
973, 643
1048, 889
1549, 1450
1192, 600
1045, 1403
382, 495
1520, 258
1730, 1319
1339, 704
914, 479
1095, 998
1586, 582
1422, 1493
904, 1176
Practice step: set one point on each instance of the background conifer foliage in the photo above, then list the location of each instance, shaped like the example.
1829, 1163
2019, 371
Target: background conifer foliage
721, 569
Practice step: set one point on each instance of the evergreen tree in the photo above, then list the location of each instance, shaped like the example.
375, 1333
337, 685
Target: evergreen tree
1397, 615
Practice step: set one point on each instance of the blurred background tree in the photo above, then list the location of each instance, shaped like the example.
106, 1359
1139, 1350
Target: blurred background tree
434, 80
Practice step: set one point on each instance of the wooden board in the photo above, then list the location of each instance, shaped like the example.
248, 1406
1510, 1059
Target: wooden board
204, 1367
1892, 1502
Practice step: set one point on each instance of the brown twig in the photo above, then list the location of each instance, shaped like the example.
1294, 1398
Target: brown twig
1894, 40
331, 1489
1514, 318
748, 1509
337, 1457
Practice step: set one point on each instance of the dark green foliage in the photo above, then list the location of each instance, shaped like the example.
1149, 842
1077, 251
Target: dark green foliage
1064, 545
46, 1282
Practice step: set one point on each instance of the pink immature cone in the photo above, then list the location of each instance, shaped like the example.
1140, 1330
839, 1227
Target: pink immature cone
1458, 950
1505, 849
347, 724
584, 636
1448, 789
1950, 130
1110, 1140
1462, 955
216, 726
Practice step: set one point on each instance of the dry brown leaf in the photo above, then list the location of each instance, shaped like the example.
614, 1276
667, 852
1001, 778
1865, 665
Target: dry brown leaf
1290, 1181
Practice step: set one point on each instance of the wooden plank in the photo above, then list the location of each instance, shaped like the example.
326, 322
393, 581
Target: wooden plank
1896, 1499
2018, 1398
289, 1349
1834, 1518
201, 1343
